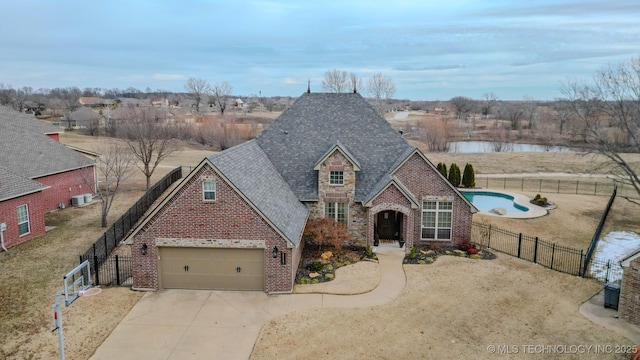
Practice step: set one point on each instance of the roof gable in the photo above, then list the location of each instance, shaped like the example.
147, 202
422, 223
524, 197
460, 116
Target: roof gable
384, 184
343, 150
316, 122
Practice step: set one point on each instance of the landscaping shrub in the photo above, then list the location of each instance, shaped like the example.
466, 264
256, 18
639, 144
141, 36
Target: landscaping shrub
468, 176
325, 231
315, 266
540, 201
442, 168
454, 175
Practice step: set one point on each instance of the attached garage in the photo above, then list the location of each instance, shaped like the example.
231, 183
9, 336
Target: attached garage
211, 268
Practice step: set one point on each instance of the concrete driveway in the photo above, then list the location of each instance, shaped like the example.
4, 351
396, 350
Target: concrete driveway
196, 324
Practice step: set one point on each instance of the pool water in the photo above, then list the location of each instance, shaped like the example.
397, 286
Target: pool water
486, 200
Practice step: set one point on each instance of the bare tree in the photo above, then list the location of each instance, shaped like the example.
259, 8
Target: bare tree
462, 105
500, 139
198, 88
220, 93
608, 111
436, 133
562, 114
531, 111
148, 137
114, 167
335, 81
490, 100
380, 89
514, 113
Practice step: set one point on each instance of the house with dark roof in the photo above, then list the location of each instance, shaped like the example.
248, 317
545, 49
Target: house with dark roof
236, 221
37, 175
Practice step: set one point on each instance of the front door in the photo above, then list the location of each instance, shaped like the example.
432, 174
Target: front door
389, 225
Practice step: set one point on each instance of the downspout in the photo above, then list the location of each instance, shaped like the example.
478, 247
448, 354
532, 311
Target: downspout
3, 227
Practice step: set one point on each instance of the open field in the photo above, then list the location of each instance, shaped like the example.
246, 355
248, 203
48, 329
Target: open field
32, 272
496, 302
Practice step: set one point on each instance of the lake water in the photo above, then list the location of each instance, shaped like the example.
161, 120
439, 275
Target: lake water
487, 147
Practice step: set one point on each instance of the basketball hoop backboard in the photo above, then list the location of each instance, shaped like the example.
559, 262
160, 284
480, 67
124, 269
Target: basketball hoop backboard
76, 280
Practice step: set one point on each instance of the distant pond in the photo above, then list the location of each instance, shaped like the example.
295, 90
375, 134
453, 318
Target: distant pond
488, 147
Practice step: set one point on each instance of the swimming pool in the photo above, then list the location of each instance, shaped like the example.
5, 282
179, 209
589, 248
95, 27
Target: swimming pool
487, 200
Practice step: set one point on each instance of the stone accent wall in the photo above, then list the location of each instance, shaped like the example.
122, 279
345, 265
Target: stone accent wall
188, 220
422, 180
629, 306
357, 223
9, 215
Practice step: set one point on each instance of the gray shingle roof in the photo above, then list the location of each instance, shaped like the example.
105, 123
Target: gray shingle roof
27, 152
314, 124
249, 169
13, 185
84, 114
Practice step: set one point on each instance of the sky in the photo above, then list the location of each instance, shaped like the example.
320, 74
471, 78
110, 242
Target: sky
432, 50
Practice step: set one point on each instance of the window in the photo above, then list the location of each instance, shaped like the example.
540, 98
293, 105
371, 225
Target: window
336, 178
209, 190
336, 211
23, 219
436, 220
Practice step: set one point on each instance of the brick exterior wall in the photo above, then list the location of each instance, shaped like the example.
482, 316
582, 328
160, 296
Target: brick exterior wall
422, 180
629, 306
188, 220
80, 181
9, 215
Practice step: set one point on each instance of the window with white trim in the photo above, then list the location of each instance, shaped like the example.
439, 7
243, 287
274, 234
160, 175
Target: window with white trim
437, 217
336, 211
209, 190
336, 177
23, 219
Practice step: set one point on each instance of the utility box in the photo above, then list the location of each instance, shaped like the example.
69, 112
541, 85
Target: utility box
611, 295
77, 200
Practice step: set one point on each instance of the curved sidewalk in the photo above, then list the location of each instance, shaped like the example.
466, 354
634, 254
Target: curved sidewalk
178, 324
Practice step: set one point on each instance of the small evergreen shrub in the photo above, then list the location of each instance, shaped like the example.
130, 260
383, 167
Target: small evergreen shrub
539, 200
315, 266
412, 253
468, 176
454, 175
442, 168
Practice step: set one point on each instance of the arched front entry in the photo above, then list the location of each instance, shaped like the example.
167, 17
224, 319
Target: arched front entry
390, 222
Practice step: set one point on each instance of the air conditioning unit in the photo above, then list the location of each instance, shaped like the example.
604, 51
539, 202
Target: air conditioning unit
77, 200
87, 198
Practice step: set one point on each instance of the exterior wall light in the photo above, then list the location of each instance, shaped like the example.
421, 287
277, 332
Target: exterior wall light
143, 249
274, 252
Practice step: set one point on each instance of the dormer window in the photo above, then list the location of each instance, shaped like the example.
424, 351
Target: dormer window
336, 177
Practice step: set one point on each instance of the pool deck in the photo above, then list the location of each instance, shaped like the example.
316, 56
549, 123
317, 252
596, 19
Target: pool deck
534, 210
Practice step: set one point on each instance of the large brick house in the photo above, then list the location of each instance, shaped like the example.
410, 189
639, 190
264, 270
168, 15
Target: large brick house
37, 174
236, 221
629, 306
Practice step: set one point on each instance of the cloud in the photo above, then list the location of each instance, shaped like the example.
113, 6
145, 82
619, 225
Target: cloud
290, 81
169, 77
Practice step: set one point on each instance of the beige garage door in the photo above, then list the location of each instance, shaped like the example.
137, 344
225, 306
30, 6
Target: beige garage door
211, 269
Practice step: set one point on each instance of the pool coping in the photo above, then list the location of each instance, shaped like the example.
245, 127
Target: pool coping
535, 211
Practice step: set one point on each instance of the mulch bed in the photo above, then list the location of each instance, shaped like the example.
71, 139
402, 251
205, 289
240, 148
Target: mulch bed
314, 268
428, 256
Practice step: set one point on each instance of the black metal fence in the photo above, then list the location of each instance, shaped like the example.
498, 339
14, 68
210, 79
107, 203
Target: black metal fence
577, 187
548, 254
100, 250
596, 235
113, 270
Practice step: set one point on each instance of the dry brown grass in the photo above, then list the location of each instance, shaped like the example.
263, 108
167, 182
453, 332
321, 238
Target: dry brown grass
451, 309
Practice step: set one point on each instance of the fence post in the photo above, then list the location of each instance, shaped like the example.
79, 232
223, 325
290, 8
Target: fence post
558, 186
580, 269
606, 279
97, 270
595, 189
117, 272
540, 186
553, 253
577, 185
504, 183
486, 187
489, 241
535, 252
80, 259
522, 185
106, 248
94, 249
519, 244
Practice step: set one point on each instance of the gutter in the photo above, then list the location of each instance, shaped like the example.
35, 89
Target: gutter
3, 227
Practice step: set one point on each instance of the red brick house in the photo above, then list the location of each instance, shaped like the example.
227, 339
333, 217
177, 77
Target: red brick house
629, 305
37, 174
236, 221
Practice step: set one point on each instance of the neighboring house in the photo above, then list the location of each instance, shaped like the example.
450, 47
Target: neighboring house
37, 174
84, 118
629, 305
87, 99
160, 102
236, 221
